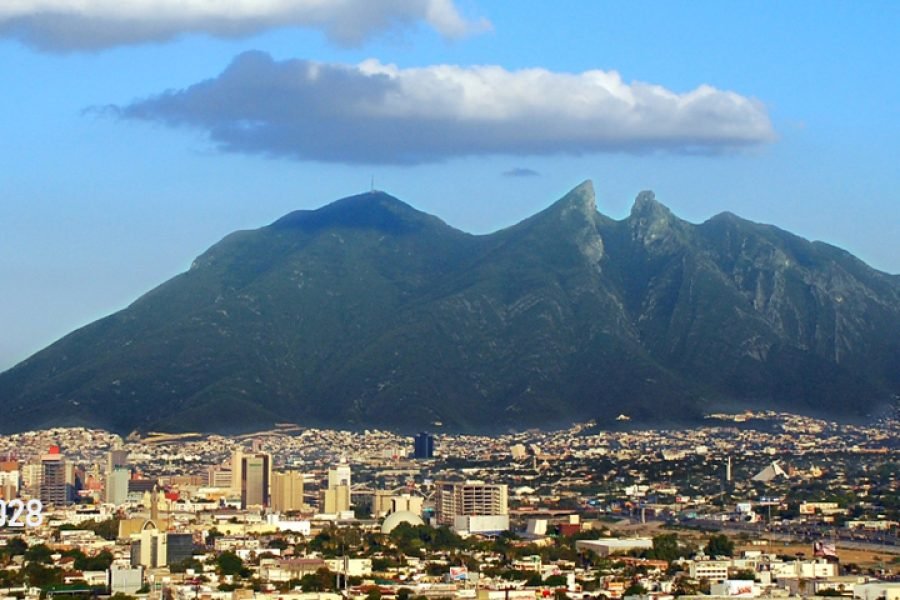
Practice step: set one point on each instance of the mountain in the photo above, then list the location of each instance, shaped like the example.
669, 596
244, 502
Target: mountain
367, 312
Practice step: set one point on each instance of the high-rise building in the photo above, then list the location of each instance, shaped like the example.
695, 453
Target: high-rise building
336, 500
287, 491
219, 477
423, 446
471, 498
116, 487
9, 479
116, 459
237, 459
256, 473
55, 486
116, 476
153, 548
339, 475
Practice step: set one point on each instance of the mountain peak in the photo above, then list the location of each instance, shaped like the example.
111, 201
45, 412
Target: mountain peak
370, 210
582, 197
647, 206
652, 223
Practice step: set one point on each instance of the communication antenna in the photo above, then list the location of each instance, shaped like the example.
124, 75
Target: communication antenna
372, 190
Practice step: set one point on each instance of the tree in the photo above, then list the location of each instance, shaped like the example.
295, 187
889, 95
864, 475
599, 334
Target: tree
99, 562
374, 593
39, 553
108, 529
635, 589
40, 576
744, 574
188, 563
230, 563
720, 545
15, 547
555, 581
320, 581
685, 586
279, 543
665, 547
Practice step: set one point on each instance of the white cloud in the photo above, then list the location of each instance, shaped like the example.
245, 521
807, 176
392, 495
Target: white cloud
378, 113
62, 25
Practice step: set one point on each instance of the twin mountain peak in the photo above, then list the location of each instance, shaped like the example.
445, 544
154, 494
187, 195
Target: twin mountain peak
369, 313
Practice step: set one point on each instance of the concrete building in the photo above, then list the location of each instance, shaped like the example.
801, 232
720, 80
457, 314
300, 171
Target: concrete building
153, 548
336, 500
256, 473
711, 570
876, 590
351, 567
116, 459
407, 503
287, 491
116, 487
9, 479
219, 477
607, 546
339, 475
56, 483
125, 581
466, 525
469, 499
423, 446
382, 504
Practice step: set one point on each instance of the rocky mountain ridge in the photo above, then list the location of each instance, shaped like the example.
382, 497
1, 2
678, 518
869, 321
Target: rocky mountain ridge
367, 312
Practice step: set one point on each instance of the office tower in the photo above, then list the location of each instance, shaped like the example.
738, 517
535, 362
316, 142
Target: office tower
256, 473
237, 459
117, 485
9, 479
154, 549
116, 459
55, 488
336, 500
340, 475
30, 484
423, 446
116, 476
455, 499
287, 491
219, 477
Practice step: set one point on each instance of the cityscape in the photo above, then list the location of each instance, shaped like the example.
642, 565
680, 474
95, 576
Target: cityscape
753, 504
449, 300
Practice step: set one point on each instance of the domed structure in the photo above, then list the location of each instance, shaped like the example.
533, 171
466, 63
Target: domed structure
402, 516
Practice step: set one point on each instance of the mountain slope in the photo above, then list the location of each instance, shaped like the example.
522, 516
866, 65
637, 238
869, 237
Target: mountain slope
368, 312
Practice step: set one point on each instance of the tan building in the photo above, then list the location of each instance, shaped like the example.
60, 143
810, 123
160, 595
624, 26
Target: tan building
251, 476
287, 491
336, 500
471, 498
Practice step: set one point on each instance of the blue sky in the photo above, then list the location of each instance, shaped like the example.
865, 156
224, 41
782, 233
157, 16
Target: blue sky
120, 165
